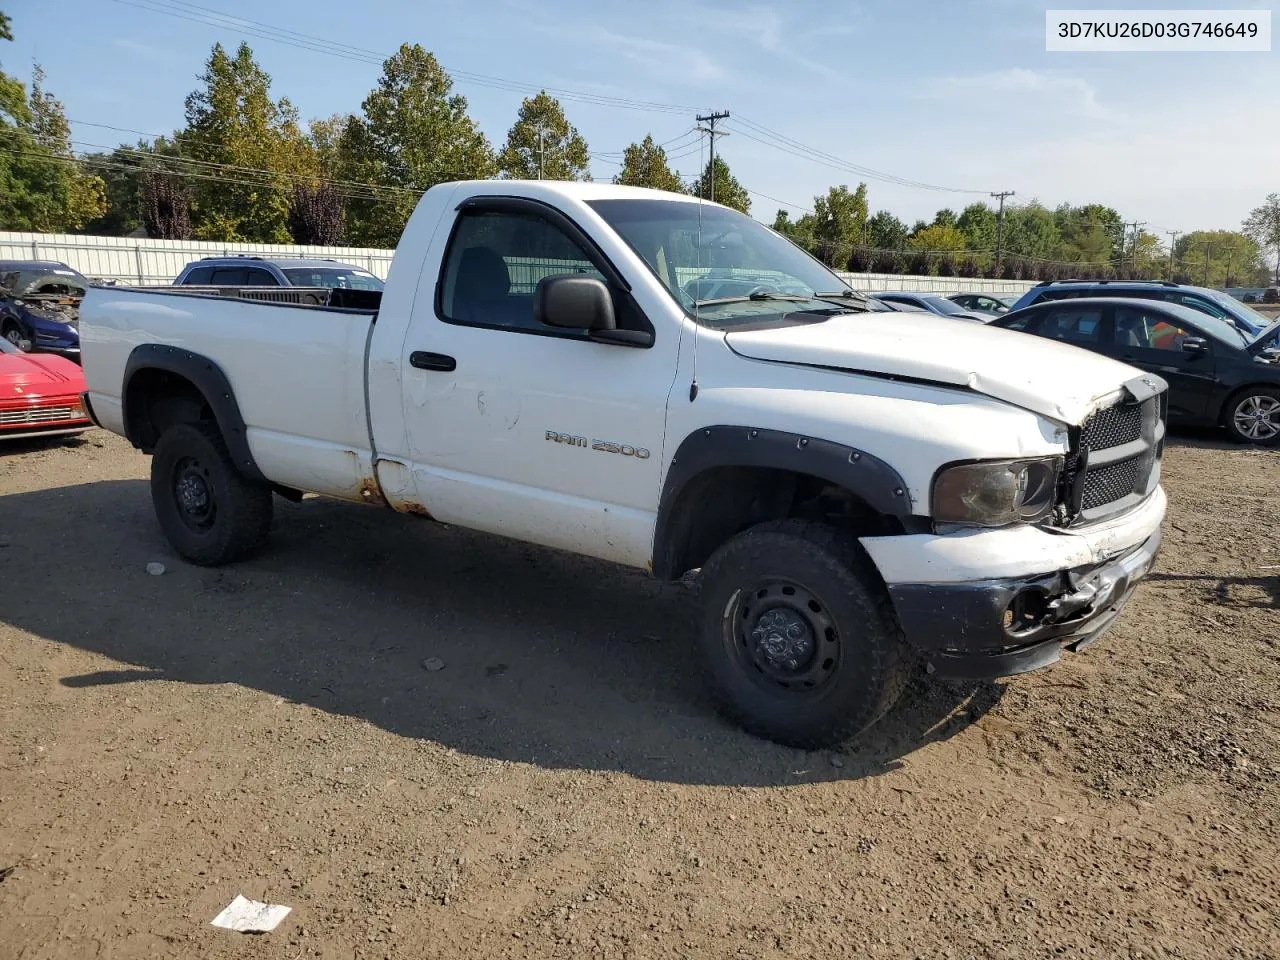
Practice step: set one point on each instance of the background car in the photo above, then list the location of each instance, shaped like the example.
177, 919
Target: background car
1213, 302
39, 395
994, 304
40, 306
1216, 373
930, 302
249, 271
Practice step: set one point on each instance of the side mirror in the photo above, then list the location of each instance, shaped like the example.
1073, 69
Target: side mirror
1195, 345
574, 302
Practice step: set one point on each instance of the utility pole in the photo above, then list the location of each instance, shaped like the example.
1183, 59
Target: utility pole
1136, 224
1173, 242
1000, 227
1208, 252
540, 135
711, 131
1230, 256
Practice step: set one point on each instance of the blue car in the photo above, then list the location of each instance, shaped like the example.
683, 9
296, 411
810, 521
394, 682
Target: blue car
1215, 303
40, 306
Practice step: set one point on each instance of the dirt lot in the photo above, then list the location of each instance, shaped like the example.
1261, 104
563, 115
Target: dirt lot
561, 788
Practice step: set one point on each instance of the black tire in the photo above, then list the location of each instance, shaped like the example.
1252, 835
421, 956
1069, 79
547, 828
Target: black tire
803, 583
1256, 410
13, 333
209, 512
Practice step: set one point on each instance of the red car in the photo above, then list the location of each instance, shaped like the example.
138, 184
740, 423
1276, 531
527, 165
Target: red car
39, 394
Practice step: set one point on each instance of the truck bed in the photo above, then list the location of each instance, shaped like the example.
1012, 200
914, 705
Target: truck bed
297, 372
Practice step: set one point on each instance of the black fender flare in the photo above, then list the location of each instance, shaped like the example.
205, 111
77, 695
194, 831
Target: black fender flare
207, 377
877, 483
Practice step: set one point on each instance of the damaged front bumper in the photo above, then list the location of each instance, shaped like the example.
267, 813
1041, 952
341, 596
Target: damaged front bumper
993, 628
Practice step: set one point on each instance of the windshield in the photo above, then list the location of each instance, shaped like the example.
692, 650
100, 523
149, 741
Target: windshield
943, 305
704, 253
1242, 310
345, 278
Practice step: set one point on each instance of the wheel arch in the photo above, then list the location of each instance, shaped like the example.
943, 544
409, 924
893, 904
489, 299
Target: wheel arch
165, 385
726, 478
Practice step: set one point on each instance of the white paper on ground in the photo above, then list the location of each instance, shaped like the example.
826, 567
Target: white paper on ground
250, 916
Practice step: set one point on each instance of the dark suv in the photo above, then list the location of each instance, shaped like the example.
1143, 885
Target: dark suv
249, 271
1213, 302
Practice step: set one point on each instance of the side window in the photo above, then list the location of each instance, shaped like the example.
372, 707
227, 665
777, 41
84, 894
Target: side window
257, 277
199, 277
229, 277
1072, 324
494, 263
1148, 331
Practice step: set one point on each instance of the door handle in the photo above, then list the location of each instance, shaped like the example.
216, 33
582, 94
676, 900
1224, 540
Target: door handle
425, 360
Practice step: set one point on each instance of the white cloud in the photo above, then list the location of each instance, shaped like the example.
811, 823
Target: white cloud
1029, 88
657, 56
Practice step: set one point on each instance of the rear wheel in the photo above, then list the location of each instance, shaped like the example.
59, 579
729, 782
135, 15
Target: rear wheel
1253, 416
209, 512
799, 641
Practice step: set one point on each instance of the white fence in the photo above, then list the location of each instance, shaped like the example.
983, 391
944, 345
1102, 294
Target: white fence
142, 261
130, 260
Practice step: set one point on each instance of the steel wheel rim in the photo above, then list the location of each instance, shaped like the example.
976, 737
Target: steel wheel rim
193, 495
1257, 417
783, 637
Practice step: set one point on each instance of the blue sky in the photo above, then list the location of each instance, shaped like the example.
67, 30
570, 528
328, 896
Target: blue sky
959, 94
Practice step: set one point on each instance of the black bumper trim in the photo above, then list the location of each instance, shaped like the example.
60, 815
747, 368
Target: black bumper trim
959, 627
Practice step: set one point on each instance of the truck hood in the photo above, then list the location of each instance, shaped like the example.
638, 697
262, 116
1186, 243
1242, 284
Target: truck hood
1055, 380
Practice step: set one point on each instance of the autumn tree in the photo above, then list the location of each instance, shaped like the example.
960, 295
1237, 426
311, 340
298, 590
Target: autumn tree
414, 133
936, 239
839, 221
543, 145
718, 184
316, 215
248, 149
1263, 227
644, 164
1218, 258
165, 206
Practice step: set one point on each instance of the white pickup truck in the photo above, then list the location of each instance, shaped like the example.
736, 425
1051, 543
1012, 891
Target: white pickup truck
665, 383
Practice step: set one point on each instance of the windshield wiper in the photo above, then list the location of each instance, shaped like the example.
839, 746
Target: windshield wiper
758, 295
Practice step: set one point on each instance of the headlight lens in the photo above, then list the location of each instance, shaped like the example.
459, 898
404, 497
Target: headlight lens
996, 492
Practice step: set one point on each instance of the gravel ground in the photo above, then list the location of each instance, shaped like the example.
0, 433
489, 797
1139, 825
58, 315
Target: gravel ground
431, 743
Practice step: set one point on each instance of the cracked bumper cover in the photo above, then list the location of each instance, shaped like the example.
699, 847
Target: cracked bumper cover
963, 629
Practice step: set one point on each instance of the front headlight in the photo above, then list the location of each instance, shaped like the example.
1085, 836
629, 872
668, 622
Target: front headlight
996, 492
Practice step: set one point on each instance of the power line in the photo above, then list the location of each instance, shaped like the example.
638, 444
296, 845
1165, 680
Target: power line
203, 15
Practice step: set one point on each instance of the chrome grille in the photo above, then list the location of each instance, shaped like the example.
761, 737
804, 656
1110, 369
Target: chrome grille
1108, 484
1112, 427
12, 418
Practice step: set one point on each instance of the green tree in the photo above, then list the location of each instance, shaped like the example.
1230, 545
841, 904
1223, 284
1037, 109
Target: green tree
414, 134
946, 217
42, 185
543, 145
886, 232
977, 222
250, 146
1092, 234
1263, 226
644, 164
727, 190
1030, 231
325, 138
936, 239
799, 232
839, 220
1208, 256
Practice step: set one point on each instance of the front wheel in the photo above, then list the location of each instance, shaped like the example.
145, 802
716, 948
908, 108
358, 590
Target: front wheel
15, 337
799, 641
208, 510
1253, 416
